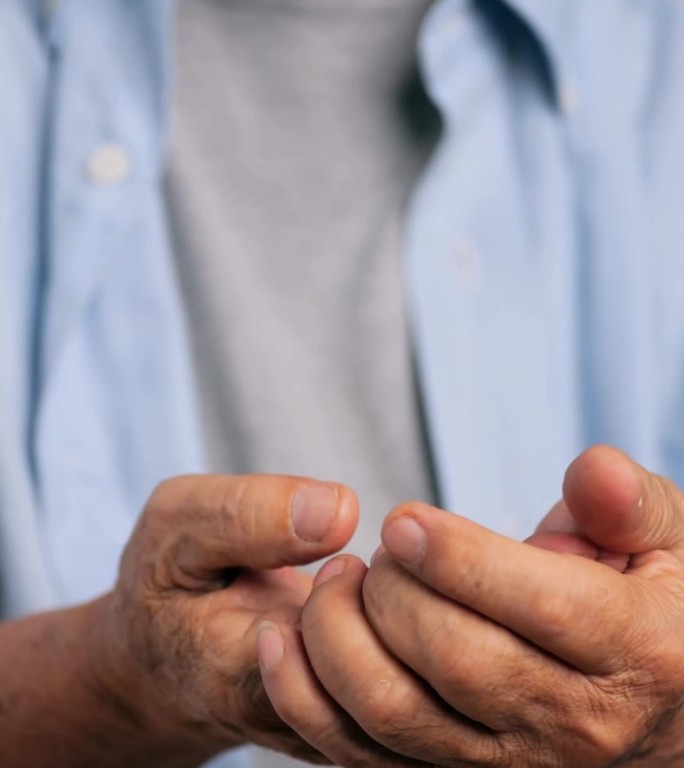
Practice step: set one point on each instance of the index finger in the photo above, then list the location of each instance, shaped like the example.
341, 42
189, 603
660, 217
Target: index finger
576, 609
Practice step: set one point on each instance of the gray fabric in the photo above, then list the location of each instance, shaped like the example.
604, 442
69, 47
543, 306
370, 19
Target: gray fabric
299, 127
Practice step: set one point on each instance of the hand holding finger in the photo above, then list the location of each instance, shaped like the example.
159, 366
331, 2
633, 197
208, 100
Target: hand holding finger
192, 590
607, 643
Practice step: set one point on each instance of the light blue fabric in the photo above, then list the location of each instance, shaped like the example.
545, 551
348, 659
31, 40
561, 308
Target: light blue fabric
571, 330
544, 247
97, 402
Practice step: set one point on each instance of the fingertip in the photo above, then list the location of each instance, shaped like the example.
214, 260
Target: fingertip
620, 505
347, 515
332, 568
336, 567
601, 488
270, 645
405, 539
414, 509
323, 514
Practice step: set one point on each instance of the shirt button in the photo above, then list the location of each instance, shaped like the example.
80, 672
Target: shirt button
50, 8
570, 101
108, 165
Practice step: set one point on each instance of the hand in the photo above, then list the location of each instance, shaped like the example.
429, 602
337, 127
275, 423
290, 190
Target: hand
529, 657
202, 570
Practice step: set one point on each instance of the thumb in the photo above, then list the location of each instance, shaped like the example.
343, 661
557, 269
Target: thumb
194, 529
620, 506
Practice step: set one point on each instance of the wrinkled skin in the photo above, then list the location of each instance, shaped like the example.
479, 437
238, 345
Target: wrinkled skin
460, 647
207, 562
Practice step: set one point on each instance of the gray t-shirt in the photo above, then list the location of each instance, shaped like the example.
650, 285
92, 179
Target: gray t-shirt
299, 128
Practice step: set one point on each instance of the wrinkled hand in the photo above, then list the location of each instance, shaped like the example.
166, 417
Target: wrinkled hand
203, 568
461, 647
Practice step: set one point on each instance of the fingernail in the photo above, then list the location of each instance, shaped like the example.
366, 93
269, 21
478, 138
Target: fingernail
377, 553
270, 645
405, 540
313, 511
329, 571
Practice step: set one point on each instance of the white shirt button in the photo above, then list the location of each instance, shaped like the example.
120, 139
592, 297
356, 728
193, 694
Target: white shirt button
570, 100
107, 165
50, 8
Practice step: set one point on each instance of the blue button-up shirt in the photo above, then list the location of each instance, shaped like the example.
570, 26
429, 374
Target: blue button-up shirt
544, 258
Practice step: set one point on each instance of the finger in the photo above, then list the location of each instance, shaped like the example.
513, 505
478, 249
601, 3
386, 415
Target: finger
474, 664
569, 543
571, 607
576, 544
201, 526
559, 518
559, 532
392, 705
301, 702
620, 505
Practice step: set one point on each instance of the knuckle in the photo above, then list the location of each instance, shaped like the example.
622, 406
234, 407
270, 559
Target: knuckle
555, 612
607, 723
321, 733
607, 741
291, 711
664, 665
237, 509
256, 509
376, 705
396, 724
456, 675
140, 562
467, 670
165, 503
165, 494
404, 719
509, 703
